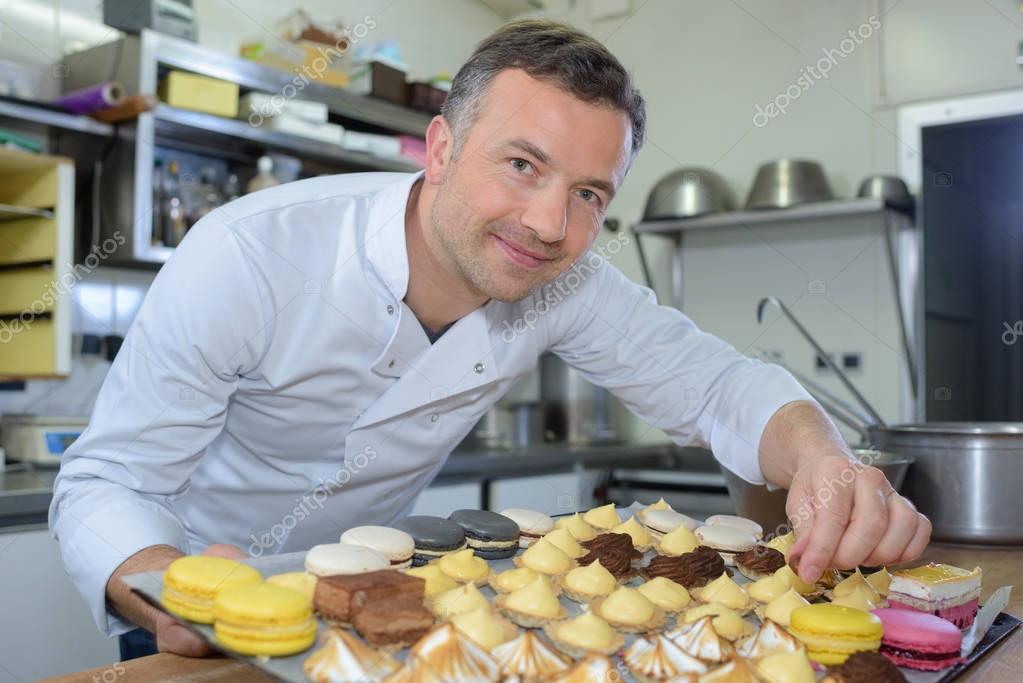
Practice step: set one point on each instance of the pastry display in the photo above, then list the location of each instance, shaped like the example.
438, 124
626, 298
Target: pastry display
726, 621
463, 566
832, 632
660, 659
532, 524
917, 640
629, 611
530, 657
396, 621
692, 570
454, 657
491, 536
576, 526
546, 558
864, 667
436, 581
433, 537
585, 634
940, 589
780, 609
700, 639
759, 562
533, 605
341, 656
263, 620
728, 541
591, 581
566, 542
335, 595
725, 591
615, 552
464, 598
486, 629
640, 538
303, 582
512, 579
394, 544
603, 518
676, 542
771, 638
666, 594
191, 584
742, 523
331, 559
786, 667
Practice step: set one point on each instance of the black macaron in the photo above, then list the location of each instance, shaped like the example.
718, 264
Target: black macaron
490, 535
434, 536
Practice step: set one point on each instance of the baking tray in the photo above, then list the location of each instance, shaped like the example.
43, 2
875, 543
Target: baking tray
148, 586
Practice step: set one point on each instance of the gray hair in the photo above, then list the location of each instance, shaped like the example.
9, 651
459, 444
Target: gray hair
548, 51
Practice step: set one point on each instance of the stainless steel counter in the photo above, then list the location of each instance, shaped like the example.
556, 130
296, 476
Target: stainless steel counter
25, 495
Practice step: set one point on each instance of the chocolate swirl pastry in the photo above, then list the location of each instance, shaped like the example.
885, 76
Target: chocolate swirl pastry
761, 560
865, 667
615, 552
693, 570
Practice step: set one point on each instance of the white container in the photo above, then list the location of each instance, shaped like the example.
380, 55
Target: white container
271, 106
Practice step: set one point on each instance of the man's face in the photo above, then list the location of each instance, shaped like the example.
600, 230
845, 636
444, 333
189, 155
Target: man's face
527, 193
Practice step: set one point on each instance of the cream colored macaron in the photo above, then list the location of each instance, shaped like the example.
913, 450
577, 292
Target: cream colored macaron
331, 559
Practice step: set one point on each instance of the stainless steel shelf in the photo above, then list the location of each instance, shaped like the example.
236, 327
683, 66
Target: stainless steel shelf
190, 124
181, 54
10, 212
55, 119
820, 210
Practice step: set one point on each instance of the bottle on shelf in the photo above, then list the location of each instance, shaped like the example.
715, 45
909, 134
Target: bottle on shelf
207, 195
232, 188
158, 202
174, 224
264, 177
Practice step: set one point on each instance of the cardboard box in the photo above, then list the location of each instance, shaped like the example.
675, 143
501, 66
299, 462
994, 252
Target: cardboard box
200, 93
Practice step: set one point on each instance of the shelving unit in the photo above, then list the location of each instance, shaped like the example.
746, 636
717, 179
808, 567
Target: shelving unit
45, 116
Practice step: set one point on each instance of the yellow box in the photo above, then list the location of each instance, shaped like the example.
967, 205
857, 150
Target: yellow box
320, 63
200, 93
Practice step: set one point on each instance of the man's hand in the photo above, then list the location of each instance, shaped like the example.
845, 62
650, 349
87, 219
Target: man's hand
844, 512
170, 635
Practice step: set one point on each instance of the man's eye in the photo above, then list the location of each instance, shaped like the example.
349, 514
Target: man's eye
520, 165
589, 196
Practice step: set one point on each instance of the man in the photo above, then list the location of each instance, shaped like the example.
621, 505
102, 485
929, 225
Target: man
311, 354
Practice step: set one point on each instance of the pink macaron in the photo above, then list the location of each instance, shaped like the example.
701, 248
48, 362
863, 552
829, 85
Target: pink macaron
918, 640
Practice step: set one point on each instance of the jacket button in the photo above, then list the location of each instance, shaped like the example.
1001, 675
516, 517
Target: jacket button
391, 364
390, 309
434, 417
479, 368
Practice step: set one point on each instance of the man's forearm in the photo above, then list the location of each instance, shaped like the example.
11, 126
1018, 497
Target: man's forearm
126, 604
798, 432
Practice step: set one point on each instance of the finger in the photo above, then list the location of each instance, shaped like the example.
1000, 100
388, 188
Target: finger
902, 523
231, 552
176, 638
919, 541
869, 520
832, 510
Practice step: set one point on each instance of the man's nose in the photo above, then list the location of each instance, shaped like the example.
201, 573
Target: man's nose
547, 214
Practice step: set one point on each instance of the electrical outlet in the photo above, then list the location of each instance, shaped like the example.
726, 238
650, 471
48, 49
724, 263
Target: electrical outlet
852, 361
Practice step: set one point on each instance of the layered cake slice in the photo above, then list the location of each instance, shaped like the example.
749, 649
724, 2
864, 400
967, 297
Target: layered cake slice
946, 591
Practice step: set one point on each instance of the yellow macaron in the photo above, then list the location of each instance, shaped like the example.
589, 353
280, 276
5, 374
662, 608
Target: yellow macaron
190, 584
264, 620
833, 632
303, 582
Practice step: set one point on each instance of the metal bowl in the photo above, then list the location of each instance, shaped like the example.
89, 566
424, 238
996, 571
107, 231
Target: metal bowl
688, 192
788, 182
890, 188
767, 508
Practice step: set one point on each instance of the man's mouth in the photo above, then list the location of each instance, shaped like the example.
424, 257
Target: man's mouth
522, 256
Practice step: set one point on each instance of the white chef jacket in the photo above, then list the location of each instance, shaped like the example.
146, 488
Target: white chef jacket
275, 390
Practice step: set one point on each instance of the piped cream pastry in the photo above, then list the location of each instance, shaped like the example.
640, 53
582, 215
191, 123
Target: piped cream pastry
437, 582
678, 542
725, 591
629, 610
465, 567
585, 634
485, 628
640, 538
666, 594
512, 579
583, 584
661, 504
414, 671
701, 640
532, 605
464, 598
593, 669
879, 581
529, 657
579, 529
780, 609
453, 656
859, 597
659, 659
343, 657
727, 621
856, 583
800, 586
736, 670
783, 543
786, 667
546, 558
565, 541
768, 588
770, 639
603, 518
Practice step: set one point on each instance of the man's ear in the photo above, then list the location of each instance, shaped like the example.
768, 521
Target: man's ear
440, 145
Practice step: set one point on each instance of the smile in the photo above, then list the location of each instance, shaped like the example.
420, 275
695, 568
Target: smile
521, 256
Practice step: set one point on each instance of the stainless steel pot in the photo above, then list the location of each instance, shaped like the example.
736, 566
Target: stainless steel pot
788, 182
577, 411
688, 192
965, 474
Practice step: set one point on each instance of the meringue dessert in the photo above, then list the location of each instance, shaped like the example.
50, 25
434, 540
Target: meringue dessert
700, 639
580, 530
546, 558
737, 670
727, 622
484, 628
879, 581
583, 584
414, 671
772, 638
585, 634
783, 543
603, 518
862, 598
465, 567
659, 659
856, 583
436, 581
786, 667
454, 657
768, 588
780, 609
640, 538
725, 591
512, 579
344, 657
666, 594
532, 605
800, 586
629, 610
593, 669
529, 657
564, 541
464, 598
678, 542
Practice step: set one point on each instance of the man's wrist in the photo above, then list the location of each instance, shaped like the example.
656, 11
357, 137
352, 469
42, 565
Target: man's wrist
797, 435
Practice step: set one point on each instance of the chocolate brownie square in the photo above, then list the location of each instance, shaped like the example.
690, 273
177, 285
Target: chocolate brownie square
395, 620
334, 595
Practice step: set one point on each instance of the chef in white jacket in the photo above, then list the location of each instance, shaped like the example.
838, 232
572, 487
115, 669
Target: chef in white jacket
311, 354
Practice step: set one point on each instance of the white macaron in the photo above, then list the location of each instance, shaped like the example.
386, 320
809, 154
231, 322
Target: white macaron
661, 522
728, 541
394, 544
331, 559
532, 524
738, 522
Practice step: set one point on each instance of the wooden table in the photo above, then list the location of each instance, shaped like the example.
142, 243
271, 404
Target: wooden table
1002, 567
